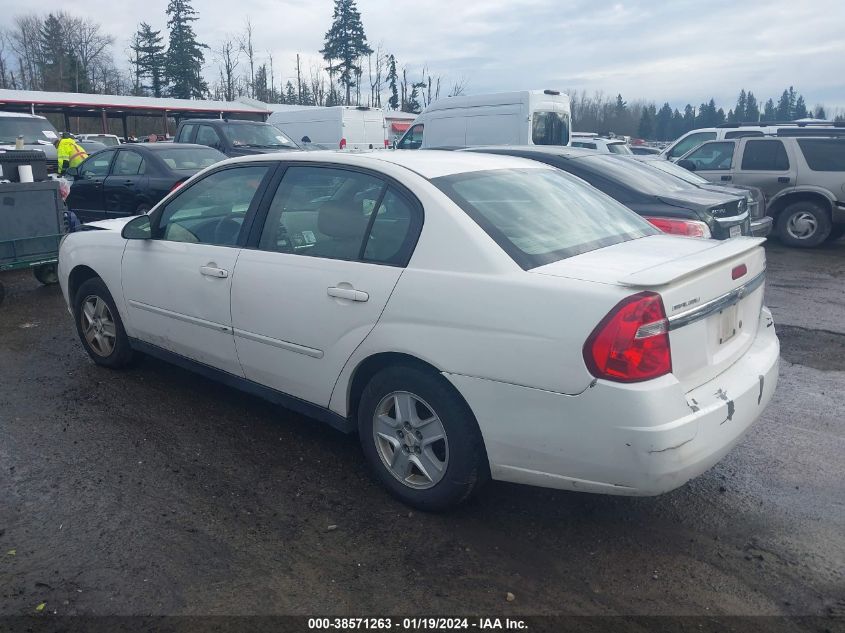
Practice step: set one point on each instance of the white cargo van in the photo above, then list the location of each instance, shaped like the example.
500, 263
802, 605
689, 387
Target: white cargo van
336, 127
530, 117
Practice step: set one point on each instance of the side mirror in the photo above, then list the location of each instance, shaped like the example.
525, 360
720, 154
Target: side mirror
137, 229
306, 139
686, 163
73, 172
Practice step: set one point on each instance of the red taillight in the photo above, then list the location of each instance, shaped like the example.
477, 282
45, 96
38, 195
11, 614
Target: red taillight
689, 228
176, 186
739, 271
631, 344
342, 143
386, 143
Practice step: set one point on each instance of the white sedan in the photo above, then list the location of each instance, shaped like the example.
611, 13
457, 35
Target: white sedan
470, 316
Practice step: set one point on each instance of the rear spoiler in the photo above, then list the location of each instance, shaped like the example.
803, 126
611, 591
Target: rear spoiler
676, 269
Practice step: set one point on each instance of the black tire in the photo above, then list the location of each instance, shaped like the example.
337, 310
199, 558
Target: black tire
836, 231
121, 353
820, 221
466, 467
46, 274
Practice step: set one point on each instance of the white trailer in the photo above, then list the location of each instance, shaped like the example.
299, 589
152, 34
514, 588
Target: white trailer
336, 127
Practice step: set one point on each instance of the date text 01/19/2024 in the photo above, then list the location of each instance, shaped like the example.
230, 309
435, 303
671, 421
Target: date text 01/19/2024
416, 624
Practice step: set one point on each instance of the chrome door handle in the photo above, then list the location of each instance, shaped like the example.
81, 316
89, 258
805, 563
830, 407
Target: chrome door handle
212, 271
348, 293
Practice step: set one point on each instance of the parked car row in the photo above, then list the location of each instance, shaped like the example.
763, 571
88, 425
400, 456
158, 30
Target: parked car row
470, 315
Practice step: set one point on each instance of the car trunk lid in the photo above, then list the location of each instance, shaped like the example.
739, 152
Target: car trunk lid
712, 293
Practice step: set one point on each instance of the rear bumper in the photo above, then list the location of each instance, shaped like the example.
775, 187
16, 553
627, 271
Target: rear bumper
640, 439
761, 227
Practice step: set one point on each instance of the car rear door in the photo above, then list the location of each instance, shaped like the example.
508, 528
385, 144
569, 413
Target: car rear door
177, 285
86, 197
333, 245
764, 163
126, 184
375, 129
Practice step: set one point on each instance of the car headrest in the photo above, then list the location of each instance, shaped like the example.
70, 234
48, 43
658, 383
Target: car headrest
341, 221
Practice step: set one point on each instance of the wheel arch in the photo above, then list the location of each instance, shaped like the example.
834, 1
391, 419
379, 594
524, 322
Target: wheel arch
804, 195
374, 363
78, 276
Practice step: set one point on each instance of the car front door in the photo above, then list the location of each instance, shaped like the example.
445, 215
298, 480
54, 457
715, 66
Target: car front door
177, 285
764, 163
86, 192
333, 245
126, 184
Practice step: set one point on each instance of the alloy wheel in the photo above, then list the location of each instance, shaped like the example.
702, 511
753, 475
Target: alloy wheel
411, 440
98, 325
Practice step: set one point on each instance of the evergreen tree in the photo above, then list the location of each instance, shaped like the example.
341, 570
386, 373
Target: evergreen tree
800, 111
720, 116
678, 125
305, 96
392, 78
58, 66
149, 58
185, 55
752, 110
769, 111
731, 117
345, 45
645, 129
689, 118
290, 94
783, 112
741, 106
663, 123
413, 102
820, 113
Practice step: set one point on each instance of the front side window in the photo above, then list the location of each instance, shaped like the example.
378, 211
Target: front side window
742, 133
538, 216
96, 166
185, 133
823, 154
688, 142
321, 212
128, 164
550, 128
212, 210
413, 138
767, 155
207, 135
713, 156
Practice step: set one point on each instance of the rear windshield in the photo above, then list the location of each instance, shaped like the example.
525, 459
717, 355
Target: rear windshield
824, 154
550, 128
104, 139
619, 148
34, 131
539, 216
190, 158
676, 170
633, 174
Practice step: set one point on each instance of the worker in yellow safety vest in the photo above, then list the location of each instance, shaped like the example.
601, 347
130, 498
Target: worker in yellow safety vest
70, 153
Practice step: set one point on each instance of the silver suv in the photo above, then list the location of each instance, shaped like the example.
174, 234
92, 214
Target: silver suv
802, 177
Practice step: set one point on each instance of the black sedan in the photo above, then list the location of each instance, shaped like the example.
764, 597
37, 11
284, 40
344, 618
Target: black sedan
131, 179
671, 204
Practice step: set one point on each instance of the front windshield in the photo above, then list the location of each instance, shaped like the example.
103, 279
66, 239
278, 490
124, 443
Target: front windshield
539, 216
257, 135
632, 173
34, 131
673, 168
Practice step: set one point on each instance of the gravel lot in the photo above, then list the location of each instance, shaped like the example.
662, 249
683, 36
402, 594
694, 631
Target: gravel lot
154, 491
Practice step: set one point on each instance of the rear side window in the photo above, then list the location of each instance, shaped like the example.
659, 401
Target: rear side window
823, 154
765, 156
584, 145
742, 133
538, 216
128, 163
550, 128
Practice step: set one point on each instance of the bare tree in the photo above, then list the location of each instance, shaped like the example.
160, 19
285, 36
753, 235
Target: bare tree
227, 55
4, 73
298, 81
24, 41
88, 44
458, 87
247, 48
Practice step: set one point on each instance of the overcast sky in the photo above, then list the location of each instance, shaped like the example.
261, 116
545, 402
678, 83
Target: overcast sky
678, 51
